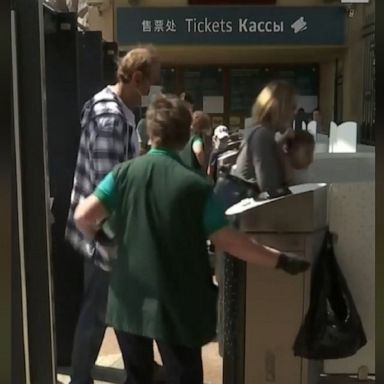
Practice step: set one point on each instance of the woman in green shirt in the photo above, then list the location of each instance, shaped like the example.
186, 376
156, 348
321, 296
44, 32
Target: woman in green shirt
193, 154
161, 285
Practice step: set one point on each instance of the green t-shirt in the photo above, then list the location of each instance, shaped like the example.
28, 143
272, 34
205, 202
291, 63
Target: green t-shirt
188, 156
161, 284
214, 216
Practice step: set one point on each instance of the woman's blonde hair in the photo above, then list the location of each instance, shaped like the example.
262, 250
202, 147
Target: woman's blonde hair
274, 105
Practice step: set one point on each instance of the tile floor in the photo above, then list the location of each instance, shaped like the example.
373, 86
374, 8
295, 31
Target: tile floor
110, 366
110, 363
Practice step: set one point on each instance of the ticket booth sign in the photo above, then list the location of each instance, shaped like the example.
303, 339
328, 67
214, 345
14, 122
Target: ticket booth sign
231, 2
264, 25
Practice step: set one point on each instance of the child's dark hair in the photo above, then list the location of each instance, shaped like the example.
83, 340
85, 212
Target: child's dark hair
300, 138
168, 122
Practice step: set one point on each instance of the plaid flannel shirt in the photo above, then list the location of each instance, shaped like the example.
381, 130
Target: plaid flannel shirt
106, 140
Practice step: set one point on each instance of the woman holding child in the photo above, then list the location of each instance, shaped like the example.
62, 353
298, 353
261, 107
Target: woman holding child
262, 159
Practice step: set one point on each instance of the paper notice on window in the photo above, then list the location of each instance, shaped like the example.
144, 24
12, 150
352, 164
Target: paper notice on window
145, 101
154, 91
213, 104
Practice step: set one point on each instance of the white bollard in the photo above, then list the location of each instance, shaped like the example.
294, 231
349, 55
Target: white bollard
312, 128
343, 137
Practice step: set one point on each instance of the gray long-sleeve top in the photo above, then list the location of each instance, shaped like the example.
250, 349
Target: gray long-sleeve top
260, 160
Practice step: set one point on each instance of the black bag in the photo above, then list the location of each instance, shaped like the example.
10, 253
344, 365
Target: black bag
231, 189
332, 328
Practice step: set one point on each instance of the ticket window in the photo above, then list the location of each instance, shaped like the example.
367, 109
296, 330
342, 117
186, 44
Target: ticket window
246, 83
169, 80
238, 87
203, 83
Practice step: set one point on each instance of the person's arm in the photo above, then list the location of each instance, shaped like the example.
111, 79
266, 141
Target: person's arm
267, 162
93, 210
245, 248
109, 146
210, 171
198, 150
212, 164
89, 215
242, 246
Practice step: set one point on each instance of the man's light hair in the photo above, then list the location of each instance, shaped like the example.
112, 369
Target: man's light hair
140, 58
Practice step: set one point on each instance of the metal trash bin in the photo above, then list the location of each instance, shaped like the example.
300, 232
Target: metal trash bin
263, 309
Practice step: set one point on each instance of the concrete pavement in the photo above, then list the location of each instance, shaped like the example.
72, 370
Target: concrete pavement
110, 365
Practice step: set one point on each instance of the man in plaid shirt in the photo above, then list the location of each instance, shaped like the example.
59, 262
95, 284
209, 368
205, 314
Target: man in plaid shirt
108, 137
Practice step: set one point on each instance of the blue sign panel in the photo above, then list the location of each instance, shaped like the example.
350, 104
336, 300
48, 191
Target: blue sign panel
231, 25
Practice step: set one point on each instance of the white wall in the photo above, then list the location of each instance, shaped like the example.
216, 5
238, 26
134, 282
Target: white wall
342, 167
352, 217
351, 212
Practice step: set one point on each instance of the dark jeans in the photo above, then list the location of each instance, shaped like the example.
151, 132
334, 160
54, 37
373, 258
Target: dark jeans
91, 326
182, 365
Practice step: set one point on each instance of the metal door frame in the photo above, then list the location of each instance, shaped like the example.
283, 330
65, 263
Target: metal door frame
32, 191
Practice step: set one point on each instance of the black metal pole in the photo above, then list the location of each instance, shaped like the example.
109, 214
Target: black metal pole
6, 164
35, 190
234, 290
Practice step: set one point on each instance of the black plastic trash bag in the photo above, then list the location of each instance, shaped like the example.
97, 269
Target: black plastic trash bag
332, 328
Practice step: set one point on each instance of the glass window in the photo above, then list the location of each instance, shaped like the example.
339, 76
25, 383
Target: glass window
168, 80
200, 82
285, 75
245, 85
303, 79
306, 81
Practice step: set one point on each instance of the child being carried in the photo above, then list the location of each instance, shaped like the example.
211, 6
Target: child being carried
298, 152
